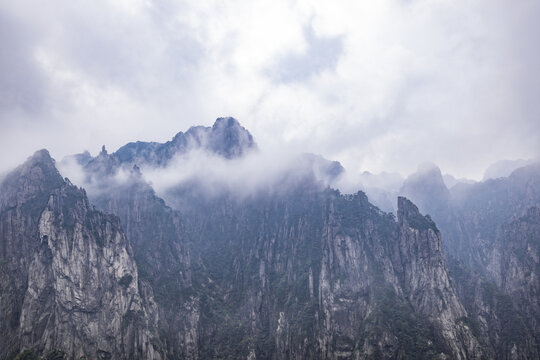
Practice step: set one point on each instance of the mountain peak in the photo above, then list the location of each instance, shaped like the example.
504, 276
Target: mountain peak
406, 208
425, 186
41, 160
408, 213
428, 167
504, 168
225, 138
427, 174
229, 139
37, 175
227, 121
42, 156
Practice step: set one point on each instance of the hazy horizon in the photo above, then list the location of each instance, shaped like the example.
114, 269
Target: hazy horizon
252, 165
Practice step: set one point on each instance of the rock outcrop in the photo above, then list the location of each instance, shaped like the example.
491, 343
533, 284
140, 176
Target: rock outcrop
295, 271
316, 274
156, 234
225, 138
426, 282
68, 277
491, 244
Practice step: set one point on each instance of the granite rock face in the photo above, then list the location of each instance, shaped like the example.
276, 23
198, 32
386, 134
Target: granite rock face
156, 234
426, 281
491, 244
518, 249
69, 280
302, 272
316, 274
307, 274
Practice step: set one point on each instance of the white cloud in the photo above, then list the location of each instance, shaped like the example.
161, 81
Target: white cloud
452, 82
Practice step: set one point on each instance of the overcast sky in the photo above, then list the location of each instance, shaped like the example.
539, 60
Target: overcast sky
378, 85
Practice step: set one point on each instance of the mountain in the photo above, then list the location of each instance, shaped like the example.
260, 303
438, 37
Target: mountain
424, 186
68, 278
504, 168
382, 189
156, 234
292, 269
470, 215
489, 228
316, 274
225, 138
229, 242
450, 181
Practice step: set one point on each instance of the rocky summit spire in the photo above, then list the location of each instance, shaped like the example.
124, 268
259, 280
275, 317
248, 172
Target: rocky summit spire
37, 175
230, 139
40, 158
226, 122
409, 214
226, 138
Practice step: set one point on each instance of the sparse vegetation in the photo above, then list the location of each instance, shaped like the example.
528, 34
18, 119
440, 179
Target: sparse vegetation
125, 280
26, 355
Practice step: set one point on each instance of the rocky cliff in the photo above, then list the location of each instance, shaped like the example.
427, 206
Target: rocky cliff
156, 234
68, 277
426, 281
316, 274
295, 270
491, 242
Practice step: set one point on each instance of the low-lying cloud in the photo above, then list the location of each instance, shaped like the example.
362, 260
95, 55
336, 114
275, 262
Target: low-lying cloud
214, 174
210, 174
379, 86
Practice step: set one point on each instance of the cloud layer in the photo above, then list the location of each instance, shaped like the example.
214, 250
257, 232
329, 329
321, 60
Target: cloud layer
379, 85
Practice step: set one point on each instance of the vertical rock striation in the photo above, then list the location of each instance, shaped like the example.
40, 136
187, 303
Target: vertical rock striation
294, 270
69, 280
426, 282
156, 235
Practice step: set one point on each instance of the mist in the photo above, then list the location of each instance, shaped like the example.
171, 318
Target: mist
270, 179
258, 171
210, 175
378, 86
